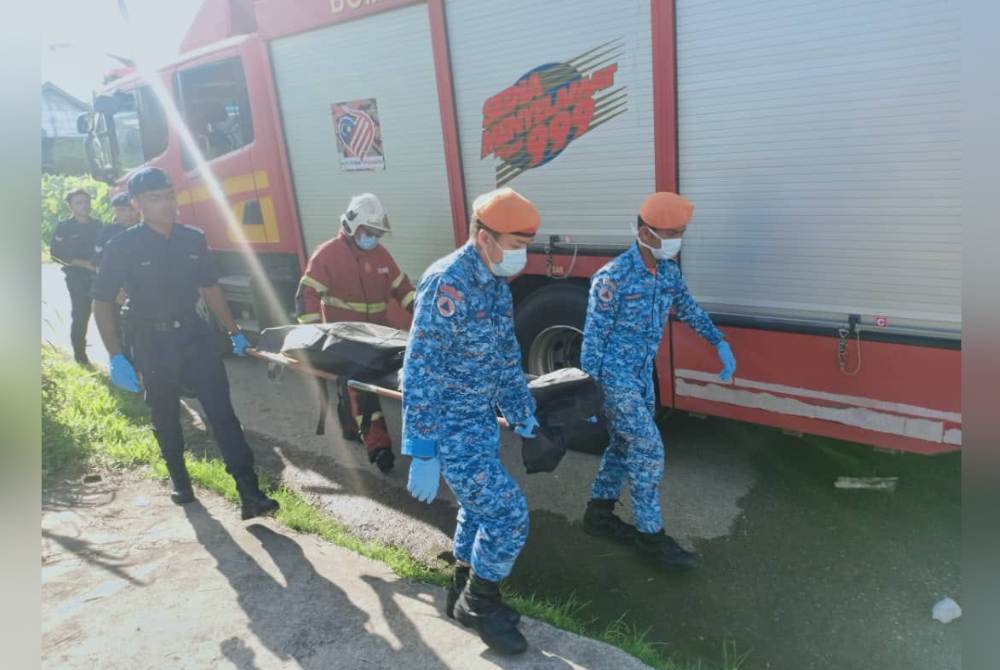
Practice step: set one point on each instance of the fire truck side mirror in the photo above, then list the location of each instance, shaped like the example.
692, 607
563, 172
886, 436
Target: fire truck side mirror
84, 123
111, 104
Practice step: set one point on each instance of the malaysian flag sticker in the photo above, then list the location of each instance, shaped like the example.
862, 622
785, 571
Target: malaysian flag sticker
359, 135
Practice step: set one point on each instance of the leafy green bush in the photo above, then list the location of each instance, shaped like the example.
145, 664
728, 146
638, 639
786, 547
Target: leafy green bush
54, 190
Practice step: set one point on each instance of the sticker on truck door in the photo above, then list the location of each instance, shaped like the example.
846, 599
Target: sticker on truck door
532, 122
359, 135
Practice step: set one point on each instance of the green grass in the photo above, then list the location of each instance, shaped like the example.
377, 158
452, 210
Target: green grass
87, 423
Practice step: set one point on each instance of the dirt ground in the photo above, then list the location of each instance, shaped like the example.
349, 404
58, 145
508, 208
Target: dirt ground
130, 580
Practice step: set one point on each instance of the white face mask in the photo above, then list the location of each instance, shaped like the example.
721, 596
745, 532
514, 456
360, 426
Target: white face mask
668, 247
513, 261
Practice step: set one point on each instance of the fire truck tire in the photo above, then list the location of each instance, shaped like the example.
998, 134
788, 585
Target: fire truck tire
549, 327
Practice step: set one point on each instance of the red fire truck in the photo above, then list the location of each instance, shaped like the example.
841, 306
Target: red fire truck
819, 143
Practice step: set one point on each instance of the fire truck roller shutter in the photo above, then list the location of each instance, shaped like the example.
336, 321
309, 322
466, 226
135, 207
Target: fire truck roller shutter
379, 71
821, 149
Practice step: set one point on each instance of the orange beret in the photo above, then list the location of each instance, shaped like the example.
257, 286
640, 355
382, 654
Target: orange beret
506, 211
666, 210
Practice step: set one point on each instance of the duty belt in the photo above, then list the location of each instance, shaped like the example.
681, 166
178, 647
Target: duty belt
165, 325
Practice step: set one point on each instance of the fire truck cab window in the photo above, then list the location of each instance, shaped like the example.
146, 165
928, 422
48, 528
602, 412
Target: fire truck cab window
140, 128
216, 107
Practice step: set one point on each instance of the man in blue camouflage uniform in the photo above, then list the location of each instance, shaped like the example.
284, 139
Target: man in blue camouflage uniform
630, 301
462, 364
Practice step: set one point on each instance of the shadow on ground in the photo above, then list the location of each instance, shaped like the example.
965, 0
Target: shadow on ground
809, 576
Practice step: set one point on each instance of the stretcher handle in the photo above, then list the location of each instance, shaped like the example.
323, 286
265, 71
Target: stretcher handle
377, 390
289, 362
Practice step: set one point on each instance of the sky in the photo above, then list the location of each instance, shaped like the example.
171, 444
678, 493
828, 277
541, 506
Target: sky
92, 28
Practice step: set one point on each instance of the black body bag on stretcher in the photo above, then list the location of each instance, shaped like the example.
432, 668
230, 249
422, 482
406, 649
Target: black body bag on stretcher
355, 350
350, 350
570, 412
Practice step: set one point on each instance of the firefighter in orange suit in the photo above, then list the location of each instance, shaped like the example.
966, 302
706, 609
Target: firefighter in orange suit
354, 278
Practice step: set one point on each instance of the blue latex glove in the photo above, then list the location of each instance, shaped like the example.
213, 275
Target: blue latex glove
728, 360
528, 429
425, 473
123, 374
240, 343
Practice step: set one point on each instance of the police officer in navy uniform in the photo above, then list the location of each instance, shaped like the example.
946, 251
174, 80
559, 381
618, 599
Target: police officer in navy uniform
73, 243
124, 216
164, 267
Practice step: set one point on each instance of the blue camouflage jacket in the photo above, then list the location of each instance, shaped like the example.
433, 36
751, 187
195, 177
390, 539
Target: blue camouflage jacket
626, 314
462, 360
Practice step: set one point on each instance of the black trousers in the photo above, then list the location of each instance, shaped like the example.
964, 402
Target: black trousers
189, 355
78, 282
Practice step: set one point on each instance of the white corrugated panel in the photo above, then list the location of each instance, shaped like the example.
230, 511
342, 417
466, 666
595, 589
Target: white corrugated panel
595, 186
388, 57
819, 142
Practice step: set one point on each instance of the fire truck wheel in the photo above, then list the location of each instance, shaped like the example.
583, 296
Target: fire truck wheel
549, 327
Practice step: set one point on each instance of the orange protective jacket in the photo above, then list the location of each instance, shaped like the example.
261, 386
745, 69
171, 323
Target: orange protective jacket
345, 283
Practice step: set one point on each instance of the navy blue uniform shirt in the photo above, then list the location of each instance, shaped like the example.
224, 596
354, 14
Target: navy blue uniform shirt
104, 236
72, 240
161, 275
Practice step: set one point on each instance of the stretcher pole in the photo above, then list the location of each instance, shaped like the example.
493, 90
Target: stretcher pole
305, 368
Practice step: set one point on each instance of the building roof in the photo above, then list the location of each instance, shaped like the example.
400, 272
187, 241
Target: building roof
49, 87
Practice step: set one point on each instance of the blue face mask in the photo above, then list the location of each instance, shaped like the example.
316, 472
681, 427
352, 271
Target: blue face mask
513, 261
366, 242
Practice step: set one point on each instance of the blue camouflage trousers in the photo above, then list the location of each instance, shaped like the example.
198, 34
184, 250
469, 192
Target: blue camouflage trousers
635, 453
492, 512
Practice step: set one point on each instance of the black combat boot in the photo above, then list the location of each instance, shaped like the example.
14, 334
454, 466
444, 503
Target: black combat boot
480, 607
182, 492
664, 551
252, 499
458, 580
384, 459
600, 520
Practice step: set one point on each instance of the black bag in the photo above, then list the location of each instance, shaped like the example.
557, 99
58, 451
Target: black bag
570, 412
362, 351
541, 453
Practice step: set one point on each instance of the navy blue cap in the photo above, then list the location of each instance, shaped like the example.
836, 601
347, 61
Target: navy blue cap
148, 179
121, 200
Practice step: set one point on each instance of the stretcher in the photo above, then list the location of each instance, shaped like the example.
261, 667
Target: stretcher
300, 367
568, 409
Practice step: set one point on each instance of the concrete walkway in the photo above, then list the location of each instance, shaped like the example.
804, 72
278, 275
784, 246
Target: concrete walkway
131, 581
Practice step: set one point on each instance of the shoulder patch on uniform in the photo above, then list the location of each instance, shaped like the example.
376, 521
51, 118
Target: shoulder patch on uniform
450, 291
606, 289
446, 306
384, 270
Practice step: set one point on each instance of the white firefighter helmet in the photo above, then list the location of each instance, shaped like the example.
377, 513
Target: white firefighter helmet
365, 210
